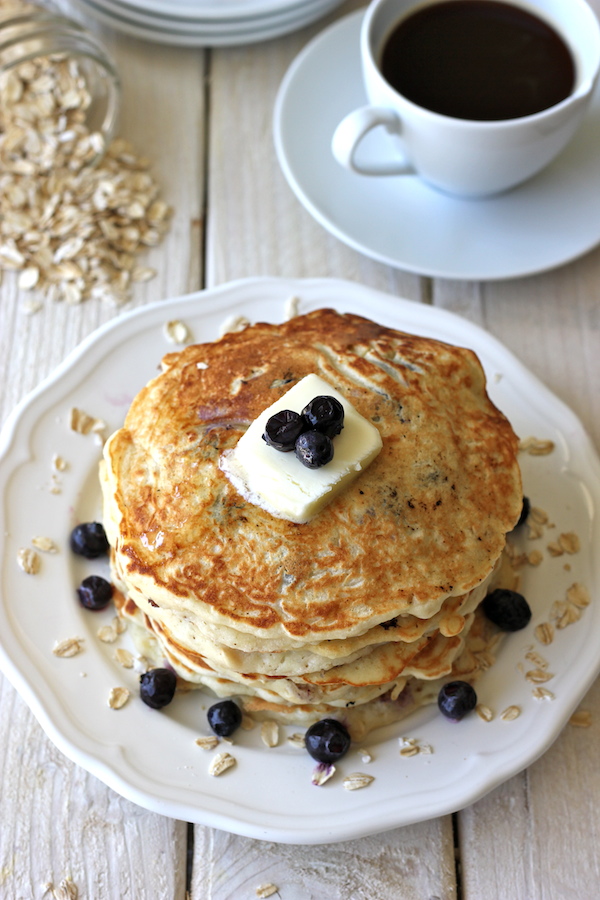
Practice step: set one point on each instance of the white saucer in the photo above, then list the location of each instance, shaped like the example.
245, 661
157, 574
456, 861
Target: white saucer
398, 220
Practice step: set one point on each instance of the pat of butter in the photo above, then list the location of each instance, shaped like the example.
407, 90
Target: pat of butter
278, 482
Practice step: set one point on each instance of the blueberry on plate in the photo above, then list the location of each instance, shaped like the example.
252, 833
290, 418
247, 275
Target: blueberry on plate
314, 449
325, 414
89, 540
525, 510
157, 687
224, 717
283, 430
456, 699
327, 740
507, 609
95, 592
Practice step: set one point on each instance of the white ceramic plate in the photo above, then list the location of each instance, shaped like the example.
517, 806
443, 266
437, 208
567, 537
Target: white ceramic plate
398, 220
234, 14
212, 9
225, 34
150, 757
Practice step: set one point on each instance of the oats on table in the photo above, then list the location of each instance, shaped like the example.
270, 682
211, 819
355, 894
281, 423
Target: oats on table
71, 230
581, 719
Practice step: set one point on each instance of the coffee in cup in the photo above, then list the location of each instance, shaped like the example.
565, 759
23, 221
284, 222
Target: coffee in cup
479, 95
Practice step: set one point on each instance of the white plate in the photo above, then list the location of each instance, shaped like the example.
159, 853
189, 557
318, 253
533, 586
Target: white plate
287, 17
233, 15
150, 757
211, 36
398, 220
212, 9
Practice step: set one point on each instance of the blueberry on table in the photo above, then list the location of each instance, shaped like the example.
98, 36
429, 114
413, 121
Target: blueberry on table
95, 592
456, 699
89, 540
507, 609
224, 717
327, 740
325, 414
314, 449
283, 430
157, 687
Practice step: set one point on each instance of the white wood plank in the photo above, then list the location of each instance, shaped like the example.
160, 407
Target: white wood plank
538, 834
415, 863
57, 820
256, 226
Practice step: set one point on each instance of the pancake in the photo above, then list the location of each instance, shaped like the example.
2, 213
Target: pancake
427, 519
375, 596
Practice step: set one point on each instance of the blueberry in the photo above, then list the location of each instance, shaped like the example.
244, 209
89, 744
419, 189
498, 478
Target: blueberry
327, 740
456, 699
283, 429
325, 414
89, 540
508, 610
157, 687
95, 592
314, 449
224, 717
524, 512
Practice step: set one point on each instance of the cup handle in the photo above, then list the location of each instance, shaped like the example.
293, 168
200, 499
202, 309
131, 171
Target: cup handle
351, 131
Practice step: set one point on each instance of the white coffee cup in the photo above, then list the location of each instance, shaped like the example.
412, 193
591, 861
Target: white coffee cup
466, 157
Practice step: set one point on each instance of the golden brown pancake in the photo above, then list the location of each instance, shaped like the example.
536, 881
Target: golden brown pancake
425, 522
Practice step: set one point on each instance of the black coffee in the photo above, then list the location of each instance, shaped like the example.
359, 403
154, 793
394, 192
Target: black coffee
478, 59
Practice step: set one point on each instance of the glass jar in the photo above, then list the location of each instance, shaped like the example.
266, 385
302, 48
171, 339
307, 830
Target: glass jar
57, 78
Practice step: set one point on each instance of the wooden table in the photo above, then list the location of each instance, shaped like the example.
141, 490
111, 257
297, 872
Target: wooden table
204, 117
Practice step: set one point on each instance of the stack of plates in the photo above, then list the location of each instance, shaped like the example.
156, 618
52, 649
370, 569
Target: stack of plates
207, 23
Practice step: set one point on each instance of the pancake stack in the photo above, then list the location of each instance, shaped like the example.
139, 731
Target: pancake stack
360, 613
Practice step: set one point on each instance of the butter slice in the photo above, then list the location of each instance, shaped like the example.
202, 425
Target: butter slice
280, 483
